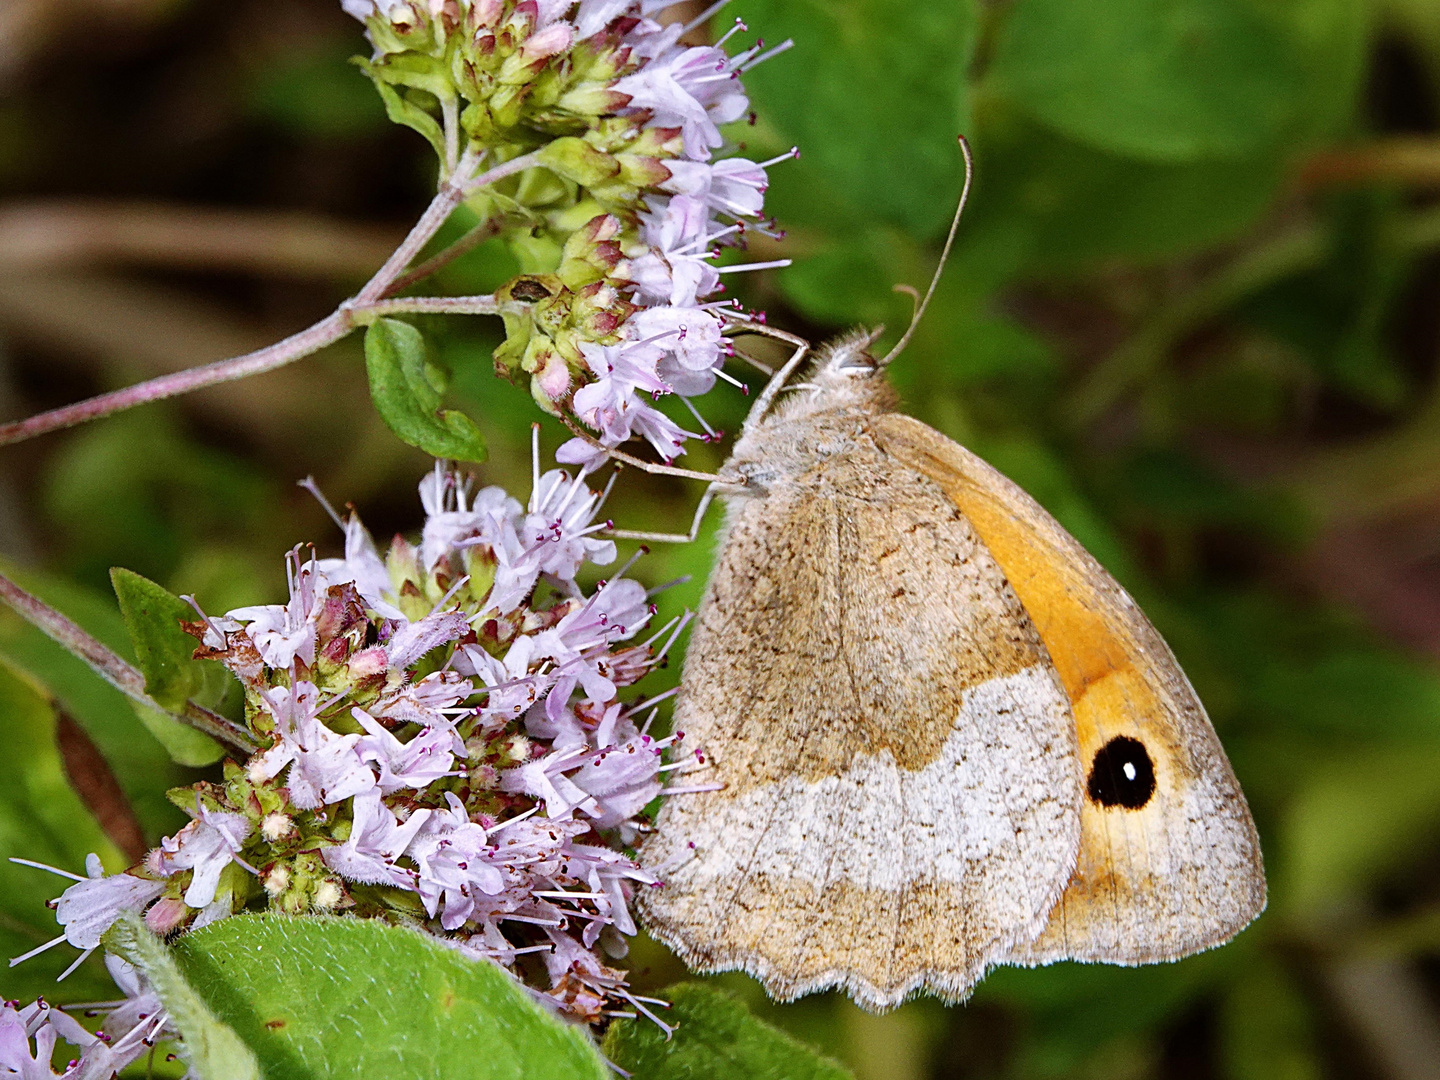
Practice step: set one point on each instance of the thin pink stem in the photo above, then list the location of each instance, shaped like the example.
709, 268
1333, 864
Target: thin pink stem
483, 231
114, 669
326, 332
433, 305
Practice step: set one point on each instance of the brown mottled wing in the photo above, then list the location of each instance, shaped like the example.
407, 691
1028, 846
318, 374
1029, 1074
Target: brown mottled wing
900, 800
1169, 860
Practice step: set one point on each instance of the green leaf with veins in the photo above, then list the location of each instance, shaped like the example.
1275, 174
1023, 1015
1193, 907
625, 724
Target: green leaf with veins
164, 651
715, 1038
320, 997
407, 387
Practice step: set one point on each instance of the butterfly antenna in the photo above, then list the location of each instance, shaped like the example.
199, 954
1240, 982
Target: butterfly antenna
944, 257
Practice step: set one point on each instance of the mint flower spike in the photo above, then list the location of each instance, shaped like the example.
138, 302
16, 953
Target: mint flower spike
446, 741
616, 126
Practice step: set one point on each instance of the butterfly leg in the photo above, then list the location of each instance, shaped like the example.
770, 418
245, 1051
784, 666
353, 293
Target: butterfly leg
649, 466
777, 380
671, 538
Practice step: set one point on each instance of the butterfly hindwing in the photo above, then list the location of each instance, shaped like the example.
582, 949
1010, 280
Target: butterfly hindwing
900, 805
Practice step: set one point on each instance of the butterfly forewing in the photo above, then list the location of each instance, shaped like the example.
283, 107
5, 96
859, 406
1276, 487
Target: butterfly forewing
901, 786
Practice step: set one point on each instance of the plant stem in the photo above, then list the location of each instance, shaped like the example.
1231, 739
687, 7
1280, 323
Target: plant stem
114, 669
326, 332
469, 242
433, 305
372, 298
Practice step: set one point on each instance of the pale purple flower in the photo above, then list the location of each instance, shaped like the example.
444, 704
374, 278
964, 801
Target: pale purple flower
206, 846
282, 633
694, 89
377, 839
42, 1024
413, 640
630, 364
453, 520
622, 777
560, 526
414, 764
455, 864
425, 702
130, 1029
617, 415
677, 268
324, 767
362, 567
545, 778
90, 907
690, 334
732, 186
513, 687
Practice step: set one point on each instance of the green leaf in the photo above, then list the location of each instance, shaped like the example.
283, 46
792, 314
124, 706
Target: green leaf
715, 1036
860, 73
1165, 80
140, 762
401, 110
209, 1046
1052, 203
407, 389
338, 997
42, 819
163, 650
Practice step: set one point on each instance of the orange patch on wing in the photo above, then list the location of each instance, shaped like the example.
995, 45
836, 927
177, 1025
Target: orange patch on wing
1094, 663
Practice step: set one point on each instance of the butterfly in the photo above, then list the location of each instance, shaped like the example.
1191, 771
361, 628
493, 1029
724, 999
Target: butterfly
942, 736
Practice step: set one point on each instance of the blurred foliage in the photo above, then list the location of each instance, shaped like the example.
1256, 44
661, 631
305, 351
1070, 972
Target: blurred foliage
1192, 310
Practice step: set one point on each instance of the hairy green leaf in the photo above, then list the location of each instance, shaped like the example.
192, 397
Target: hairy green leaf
1166, 80
335, 997
715, 1037
862, 71
164, 651
210, 1047
407, 388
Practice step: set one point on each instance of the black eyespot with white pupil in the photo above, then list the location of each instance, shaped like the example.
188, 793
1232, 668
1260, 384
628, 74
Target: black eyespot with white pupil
1122, 774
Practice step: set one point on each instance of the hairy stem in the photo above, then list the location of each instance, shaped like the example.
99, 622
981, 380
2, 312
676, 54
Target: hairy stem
115, 670
483, 231
326, 332
433, 305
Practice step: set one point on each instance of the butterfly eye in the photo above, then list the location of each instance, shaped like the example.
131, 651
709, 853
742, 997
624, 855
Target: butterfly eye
1122, 774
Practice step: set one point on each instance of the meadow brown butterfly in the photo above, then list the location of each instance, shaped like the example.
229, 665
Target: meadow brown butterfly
947, 738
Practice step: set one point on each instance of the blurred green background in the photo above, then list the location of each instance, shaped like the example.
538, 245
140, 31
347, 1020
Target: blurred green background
1193, 310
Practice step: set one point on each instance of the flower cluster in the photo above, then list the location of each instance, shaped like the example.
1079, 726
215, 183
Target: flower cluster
443, 745
131, 1027
626, 207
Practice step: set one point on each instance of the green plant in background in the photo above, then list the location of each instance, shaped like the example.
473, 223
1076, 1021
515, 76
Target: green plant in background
1166, 318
